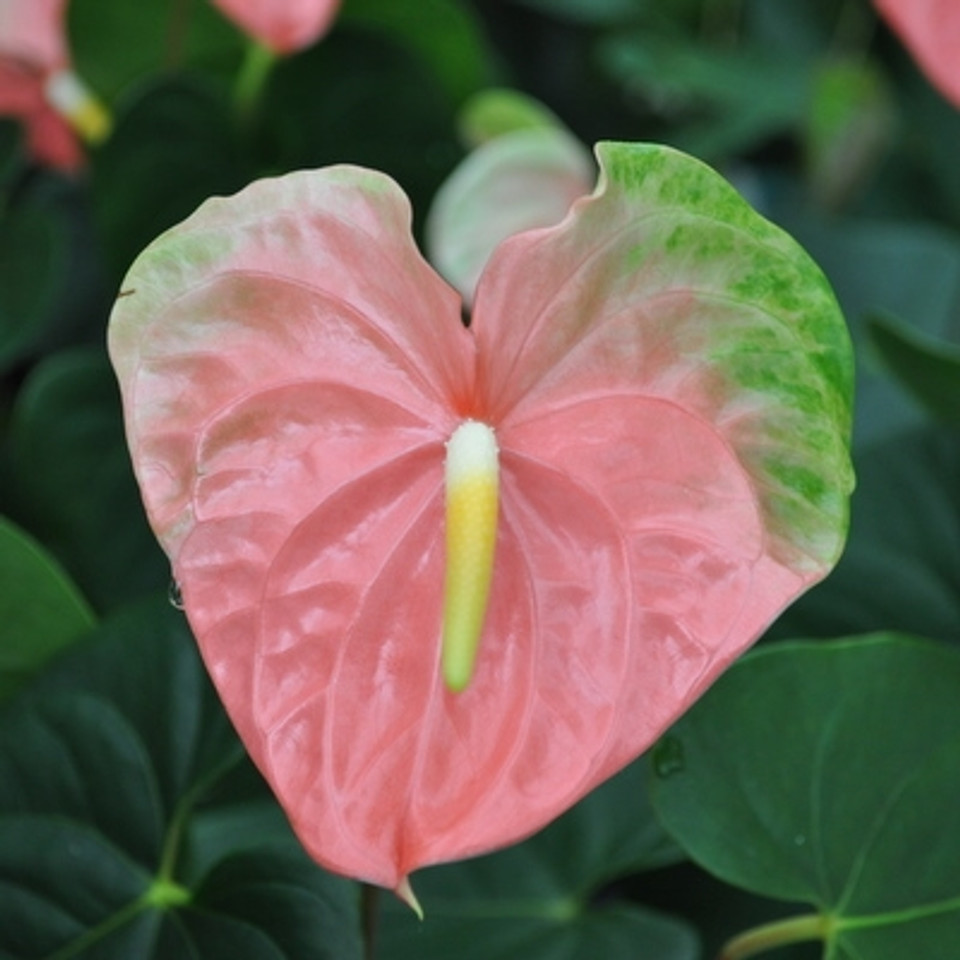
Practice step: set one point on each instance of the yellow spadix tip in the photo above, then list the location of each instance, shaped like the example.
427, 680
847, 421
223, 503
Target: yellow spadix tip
70, 97
472, 495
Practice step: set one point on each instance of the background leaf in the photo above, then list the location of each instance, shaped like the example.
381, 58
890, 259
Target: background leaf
174, 145
72, 483
930, 369
827, 805
890, 267
901, 566
40, 609
444, 34
103, 764
116, 44
33, 262
553, 895
314, 102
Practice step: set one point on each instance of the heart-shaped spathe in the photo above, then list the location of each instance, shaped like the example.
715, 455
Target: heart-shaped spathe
668, 379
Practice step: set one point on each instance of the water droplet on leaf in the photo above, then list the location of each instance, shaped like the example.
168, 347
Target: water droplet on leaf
668, 757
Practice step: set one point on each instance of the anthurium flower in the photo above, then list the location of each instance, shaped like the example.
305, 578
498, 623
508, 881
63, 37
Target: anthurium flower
930, 29
38, 87
284, 26
449, 579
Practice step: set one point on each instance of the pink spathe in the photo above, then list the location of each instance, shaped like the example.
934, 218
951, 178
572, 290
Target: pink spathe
292, 368
285, 26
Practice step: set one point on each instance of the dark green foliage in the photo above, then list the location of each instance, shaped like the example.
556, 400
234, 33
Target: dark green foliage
822, 773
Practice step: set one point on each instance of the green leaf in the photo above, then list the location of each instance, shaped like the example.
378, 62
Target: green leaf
588, 12
899, 568
541, 898
172, 147
709, 95
105, 763
12, 153
33, 262
115, 44
929, 368
826, 773
72, 480
40, 609
314, 100
444, 34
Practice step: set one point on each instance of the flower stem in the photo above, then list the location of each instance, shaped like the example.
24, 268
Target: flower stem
252, 79
780, 933
370, 918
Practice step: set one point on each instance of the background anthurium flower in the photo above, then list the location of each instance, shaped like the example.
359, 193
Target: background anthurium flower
931, 31
524, 177
668, 379
284, 26
38, 87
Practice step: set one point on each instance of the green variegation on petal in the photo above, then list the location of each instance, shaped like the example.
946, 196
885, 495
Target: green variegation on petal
701, 300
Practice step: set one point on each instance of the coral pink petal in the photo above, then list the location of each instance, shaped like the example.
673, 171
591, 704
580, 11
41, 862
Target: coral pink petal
931, 31
283, 25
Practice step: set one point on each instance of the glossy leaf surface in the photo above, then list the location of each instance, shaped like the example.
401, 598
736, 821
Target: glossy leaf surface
105, 764
668, 378
815, 772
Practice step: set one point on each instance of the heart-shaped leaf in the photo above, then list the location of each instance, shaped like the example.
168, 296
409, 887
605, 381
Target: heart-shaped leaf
667, 377
105, 763
827, 773
40, 609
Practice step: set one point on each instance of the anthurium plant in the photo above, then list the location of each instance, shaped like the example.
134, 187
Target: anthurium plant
425, 535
